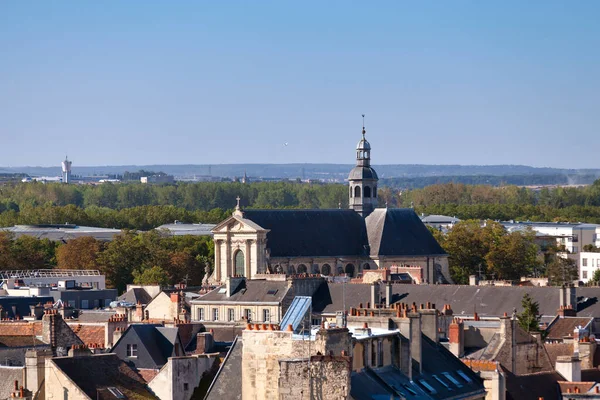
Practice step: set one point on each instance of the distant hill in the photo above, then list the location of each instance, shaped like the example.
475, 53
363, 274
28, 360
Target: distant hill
333, 172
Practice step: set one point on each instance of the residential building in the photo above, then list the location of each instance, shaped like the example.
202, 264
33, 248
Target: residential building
589, 263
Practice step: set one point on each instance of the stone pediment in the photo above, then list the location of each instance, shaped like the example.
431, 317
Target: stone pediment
237, 224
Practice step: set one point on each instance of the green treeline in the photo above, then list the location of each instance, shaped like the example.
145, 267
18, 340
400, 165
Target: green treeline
144, 258
143, 207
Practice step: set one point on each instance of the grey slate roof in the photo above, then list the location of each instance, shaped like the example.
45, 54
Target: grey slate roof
255, 290
333, 233
464, 300
362, 173
297, 233
14, 305
227, 385
136, 294
400, 232
158, 341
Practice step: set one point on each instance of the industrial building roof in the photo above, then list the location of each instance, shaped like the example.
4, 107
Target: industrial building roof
62, 232
179, 229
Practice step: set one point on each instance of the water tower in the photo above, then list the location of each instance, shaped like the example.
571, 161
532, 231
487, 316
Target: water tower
66, 170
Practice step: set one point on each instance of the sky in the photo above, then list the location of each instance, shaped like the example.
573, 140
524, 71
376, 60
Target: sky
198, 82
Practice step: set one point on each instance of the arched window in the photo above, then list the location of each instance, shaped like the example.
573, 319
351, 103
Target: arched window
240, 263
374, 192
350, 270
356, 191
367, 154
301, 269
326, 269
367, 192
366, 266
350, 190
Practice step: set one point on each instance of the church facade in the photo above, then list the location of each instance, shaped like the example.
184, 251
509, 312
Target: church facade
330, 242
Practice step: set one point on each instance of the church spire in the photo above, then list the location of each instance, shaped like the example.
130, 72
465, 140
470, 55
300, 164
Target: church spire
363, 179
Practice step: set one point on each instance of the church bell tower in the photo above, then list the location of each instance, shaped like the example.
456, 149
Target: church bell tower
362, 180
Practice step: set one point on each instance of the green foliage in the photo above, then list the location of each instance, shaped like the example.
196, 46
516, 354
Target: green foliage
529, 319
591, 248
151, 276
561, 271
490, 249
26, 252
595, 280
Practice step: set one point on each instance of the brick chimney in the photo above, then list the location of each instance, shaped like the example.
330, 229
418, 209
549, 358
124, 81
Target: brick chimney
50, 322
566, 311
79, 350
114, 322
568, 297
204, 342
587, 349
456, 337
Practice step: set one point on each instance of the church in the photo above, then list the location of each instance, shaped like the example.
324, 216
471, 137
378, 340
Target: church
349, 242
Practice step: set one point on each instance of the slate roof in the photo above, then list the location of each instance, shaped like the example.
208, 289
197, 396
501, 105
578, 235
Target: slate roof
227, 384
134, 295
362, 173
158, 341
13, 305
8, 376
255, 290
399, 232
325, 233
100, 371
95, 315
464, 299
533, 386
558, 349
385, 382
565, 326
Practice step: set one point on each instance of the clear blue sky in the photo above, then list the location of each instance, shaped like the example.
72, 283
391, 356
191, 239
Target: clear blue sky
447, 82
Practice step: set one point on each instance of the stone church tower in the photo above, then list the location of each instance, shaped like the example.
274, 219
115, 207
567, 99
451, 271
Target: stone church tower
363, 180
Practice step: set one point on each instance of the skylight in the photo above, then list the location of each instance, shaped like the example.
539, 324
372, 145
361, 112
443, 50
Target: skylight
409, 389
116, 392
272, 291
427, 386
449, 376
222, 290
464, 376
437, 378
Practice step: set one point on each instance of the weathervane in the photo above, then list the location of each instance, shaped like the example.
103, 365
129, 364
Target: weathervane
363, 131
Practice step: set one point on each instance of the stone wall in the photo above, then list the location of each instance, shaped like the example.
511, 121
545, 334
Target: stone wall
317, 377
178, 378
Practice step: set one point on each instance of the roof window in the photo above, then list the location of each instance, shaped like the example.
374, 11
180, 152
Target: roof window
427, 386
464, 376
272, 292
437, 378
116, 392
449, 376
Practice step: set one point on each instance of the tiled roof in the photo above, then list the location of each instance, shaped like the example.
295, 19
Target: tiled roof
21, 328
575, 387
565, 326
148, 374
100, 371
555, 350
90, 334
19, 341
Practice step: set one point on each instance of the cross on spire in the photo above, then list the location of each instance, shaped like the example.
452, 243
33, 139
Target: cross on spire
237, 207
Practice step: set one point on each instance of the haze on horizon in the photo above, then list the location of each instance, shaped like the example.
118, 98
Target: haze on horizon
464, 82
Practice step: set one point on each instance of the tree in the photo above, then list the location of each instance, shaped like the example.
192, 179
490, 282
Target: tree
591, 248
529, 319
562, 271
151, 276
595, 280
123, 255
513, 255
79, 253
